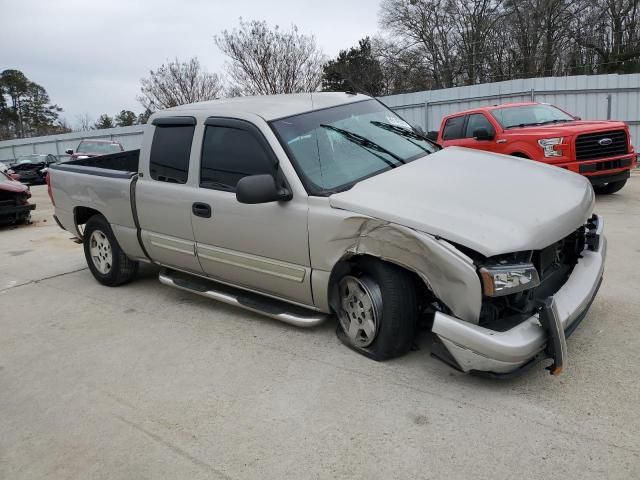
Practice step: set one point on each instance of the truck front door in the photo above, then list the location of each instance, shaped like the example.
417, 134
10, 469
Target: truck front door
261, 247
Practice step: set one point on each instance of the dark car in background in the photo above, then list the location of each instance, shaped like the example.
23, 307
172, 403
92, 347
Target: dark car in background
14, 201
94, 148
32, 168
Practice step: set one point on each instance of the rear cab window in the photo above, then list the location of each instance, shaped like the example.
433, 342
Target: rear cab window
453, 128
171, 149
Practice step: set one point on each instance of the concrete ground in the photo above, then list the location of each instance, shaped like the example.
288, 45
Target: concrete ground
143, 381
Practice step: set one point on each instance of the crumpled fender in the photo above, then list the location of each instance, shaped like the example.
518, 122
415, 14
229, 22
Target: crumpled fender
447, 272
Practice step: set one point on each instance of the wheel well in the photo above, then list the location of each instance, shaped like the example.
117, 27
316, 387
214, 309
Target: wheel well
520, 155
348, 265
83, 214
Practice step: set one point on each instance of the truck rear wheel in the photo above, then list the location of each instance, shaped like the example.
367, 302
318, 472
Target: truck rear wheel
608, 188
377, 309
106, 260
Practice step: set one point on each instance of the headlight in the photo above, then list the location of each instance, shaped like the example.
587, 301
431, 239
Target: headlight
547, 145
506, 279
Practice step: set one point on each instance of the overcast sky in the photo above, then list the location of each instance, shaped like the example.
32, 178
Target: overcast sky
91, 54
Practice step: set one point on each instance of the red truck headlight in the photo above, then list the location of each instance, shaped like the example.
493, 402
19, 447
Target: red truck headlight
549, 146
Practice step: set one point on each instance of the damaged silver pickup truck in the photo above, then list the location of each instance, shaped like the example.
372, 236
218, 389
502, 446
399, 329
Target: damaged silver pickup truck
305, 206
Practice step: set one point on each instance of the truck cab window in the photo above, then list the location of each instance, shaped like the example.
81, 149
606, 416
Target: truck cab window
453, 128
170, 151
476, 121
229, 154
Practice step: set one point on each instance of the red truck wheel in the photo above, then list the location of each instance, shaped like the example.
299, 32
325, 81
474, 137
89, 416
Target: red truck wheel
609, 188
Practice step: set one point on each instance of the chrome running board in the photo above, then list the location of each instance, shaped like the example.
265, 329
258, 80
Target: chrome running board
270, 307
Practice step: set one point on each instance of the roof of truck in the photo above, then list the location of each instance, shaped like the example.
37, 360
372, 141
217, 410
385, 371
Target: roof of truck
487, 108
272, 107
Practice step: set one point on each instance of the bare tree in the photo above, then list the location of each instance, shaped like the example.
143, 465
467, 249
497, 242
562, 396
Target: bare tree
178, 83
264, 60
84, 123
609, 31
403, 69
475, 22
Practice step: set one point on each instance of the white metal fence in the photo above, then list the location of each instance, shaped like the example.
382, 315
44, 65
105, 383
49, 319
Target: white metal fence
129, 137
593, 97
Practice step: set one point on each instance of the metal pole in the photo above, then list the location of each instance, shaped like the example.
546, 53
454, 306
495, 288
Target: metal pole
426, 117
609, 107
533, 95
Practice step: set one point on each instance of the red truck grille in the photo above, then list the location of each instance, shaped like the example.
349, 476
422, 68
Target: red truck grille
591, 146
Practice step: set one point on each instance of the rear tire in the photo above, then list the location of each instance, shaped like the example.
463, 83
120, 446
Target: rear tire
377, 309
106, 260
609, 188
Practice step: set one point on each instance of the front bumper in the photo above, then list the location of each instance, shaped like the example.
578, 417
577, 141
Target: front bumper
475, 348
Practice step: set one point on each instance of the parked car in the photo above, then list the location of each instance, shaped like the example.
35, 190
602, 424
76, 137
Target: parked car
300, 207
32, 168
599, 150
14, 201
93, 148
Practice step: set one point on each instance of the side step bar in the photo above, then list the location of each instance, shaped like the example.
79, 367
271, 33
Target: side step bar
279, 310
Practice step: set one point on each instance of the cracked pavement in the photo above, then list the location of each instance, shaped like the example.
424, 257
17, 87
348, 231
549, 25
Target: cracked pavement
144, 381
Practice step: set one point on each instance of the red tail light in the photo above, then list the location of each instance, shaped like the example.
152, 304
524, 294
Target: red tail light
49, 190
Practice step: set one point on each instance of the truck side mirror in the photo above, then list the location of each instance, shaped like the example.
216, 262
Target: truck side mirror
69, 151
482, 134
260, 189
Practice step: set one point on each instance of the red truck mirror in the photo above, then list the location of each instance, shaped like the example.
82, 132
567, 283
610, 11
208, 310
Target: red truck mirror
482, 134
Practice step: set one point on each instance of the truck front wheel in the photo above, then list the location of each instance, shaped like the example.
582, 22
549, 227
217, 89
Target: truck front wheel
377, 309
608, 188
106, 260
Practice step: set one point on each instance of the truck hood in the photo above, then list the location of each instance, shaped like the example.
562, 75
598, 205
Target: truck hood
569, 128
491, 203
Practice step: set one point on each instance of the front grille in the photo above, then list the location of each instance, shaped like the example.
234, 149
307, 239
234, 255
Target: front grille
589, 147
606, 165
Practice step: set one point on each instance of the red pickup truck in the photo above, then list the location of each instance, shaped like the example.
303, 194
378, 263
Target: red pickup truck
599, 150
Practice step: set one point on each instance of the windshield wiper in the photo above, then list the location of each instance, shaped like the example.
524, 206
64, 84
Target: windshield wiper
555, 121
366, 143
521, 125
403, 132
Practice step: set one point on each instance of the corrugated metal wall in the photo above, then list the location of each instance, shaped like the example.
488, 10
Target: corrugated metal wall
129, 137
593, 97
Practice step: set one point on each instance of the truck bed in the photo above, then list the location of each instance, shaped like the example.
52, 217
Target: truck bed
117, 165
105, 185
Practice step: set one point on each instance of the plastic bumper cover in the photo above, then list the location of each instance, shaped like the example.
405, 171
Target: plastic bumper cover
476, 348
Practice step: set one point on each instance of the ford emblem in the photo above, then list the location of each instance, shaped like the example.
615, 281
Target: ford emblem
605, 141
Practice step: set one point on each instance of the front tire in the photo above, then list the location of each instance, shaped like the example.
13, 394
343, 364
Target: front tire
106, 260
377, 309
609, 188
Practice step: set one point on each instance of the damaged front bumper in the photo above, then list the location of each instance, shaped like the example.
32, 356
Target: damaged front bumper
473, 348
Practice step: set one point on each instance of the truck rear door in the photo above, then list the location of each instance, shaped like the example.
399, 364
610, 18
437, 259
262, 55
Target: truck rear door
164, 193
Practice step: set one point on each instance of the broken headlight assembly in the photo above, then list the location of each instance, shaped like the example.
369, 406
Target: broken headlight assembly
505, 279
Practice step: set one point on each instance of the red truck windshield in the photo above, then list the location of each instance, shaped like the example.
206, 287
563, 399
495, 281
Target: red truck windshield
529, 115
98, 147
